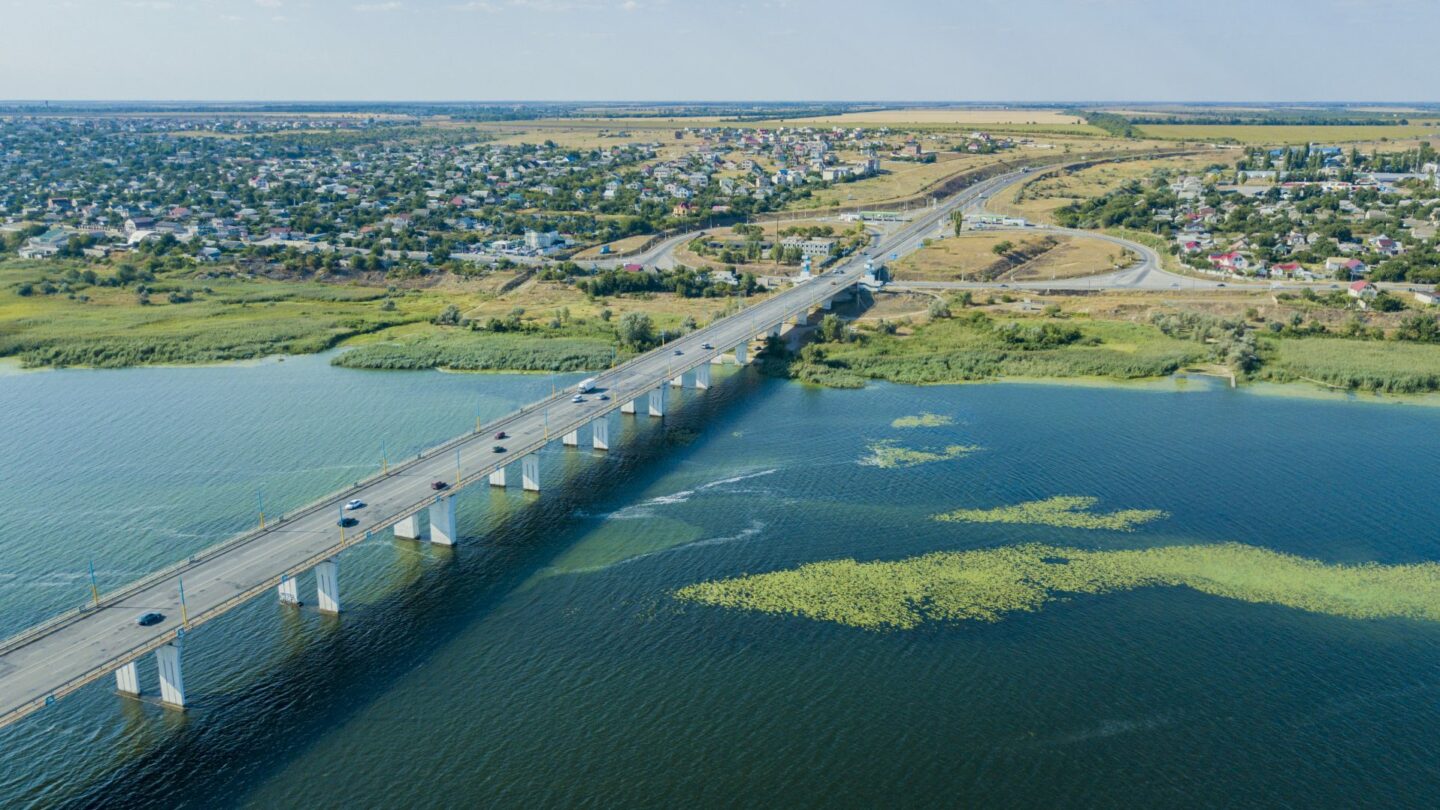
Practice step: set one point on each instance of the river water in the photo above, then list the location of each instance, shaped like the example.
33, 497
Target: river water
545, 661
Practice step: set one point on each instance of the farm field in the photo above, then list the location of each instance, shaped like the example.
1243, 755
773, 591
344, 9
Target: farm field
1257, 134
967, 117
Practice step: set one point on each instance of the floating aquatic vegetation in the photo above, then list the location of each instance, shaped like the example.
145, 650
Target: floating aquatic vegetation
988, 584
889, 454
1065, 511
923, 420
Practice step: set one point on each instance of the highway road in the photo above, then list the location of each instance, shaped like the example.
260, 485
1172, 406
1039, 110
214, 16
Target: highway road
60, 656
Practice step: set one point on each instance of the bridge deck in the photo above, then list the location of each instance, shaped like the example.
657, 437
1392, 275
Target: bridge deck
59, 656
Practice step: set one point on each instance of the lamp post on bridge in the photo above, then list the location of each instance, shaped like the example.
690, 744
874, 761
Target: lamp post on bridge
259, 496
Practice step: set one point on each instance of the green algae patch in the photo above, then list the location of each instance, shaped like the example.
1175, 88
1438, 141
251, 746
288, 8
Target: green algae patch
988, 585
1064, 511
923, 420
889, 454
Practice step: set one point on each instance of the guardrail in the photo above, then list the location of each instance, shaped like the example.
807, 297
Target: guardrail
806, 293
229, 544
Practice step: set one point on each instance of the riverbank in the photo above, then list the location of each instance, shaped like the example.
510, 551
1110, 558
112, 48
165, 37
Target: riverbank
994, 343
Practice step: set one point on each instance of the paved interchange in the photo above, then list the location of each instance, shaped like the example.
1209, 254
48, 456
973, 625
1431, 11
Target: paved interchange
57, 657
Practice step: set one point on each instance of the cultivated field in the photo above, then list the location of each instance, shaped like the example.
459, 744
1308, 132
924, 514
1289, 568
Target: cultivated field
1256, 134
967, 117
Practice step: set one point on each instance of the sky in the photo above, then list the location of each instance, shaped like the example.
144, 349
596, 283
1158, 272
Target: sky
711, 50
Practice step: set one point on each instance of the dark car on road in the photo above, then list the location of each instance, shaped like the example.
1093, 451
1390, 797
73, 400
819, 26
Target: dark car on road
501, 435
148, 619
438, 485
346, 522
497, 449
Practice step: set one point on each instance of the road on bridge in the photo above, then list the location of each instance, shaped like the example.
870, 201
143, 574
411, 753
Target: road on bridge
55, 658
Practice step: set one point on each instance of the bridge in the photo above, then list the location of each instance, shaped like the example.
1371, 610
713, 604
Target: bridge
53, 659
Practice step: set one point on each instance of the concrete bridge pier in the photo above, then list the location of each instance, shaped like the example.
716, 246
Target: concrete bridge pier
702, 377
530, 473
571, 439
741, 353
657, 401
828, 303
678, 381
442, 521
629, 407
497, 478
289, 590
801, 318
408, 528
600, 432
775, 330
327, 586
127, 679
172, 678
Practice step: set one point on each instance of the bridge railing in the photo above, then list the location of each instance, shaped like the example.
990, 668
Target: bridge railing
149, 580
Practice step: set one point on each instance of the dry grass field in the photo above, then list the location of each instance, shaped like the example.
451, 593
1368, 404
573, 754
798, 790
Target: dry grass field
1038, 200
966, 117
1035, 256
619, 246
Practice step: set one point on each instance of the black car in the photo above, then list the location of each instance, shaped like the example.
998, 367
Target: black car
148, 619
438, 485
346, 522
497, 449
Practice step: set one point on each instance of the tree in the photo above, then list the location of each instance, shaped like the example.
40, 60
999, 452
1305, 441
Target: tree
1419, 327
939, 309
1001, 248
831, 329
637, 331
450, 316
958, 220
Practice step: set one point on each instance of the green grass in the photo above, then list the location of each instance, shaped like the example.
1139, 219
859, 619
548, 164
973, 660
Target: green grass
1380, 366
958, 350
1064, 511
989, 584
464, 350
888, 454
926, 419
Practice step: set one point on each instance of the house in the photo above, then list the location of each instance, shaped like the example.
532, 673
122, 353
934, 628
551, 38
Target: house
1287, 270
634, 268
810, 248
536, 240
1385, 245
1340, 264
134, 224
45, 245
1429, 298
1363, 290
1229, 261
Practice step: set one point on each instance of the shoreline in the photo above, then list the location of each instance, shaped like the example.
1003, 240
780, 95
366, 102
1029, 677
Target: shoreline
1185, 381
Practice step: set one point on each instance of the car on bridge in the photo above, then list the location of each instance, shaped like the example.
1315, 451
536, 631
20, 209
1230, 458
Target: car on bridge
497, 449
577, 398
346, 522
706, 346
149, 619
502, 435
354, 503
438, 485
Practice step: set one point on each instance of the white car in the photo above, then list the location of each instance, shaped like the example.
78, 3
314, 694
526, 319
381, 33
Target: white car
355, 504
577, 398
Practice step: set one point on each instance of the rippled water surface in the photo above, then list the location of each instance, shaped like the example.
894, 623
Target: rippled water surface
544, 661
